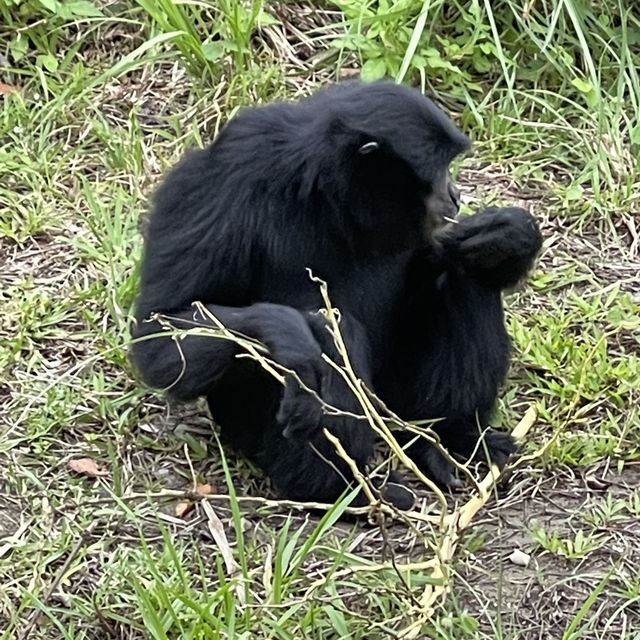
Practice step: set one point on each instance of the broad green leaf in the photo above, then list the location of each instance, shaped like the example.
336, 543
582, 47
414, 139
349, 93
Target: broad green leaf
18, 47
213, 51
574, 192
48, 61
265, 19
83, 9
374, 69
51, 5
582, 85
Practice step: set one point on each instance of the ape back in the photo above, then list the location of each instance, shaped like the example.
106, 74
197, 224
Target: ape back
283, 188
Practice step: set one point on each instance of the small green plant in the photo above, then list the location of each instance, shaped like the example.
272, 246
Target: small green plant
577, 547
208, 33
38, 25
611, 510
394, 41
607, 512
518, 72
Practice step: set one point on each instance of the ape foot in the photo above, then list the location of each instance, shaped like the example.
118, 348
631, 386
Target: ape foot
396, 492
499, 446
431, 462
392, 489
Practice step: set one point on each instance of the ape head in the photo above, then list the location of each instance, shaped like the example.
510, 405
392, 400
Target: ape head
393, 148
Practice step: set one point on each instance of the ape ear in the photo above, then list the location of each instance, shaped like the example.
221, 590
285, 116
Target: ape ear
368, 148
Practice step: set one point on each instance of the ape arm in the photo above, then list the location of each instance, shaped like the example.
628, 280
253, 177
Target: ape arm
193, 364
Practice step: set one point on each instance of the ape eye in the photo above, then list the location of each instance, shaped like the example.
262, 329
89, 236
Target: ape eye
368, 148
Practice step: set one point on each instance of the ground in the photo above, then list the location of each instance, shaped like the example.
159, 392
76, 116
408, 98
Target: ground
101, 533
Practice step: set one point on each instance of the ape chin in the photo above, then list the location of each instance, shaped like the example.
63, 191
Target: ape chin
353, 184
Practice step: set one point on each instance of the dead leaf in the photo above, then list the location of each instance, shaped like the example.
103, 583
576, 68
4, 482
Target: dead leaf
86, 467
216, 528
6, 89
205, 489
184, 506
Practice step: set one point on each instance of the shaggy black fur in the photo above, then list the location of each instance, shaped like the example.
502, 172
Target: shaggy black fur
353, 184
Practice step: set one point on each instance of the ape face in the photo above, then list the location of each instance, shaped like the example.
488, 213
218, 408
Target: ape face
440, 197
442, 203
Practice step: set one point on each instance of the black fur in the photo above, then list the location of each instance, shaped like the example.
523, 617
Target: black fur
338, 184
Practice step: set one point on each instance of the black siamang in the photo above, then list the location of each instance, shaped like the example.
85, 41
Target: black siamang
352, 184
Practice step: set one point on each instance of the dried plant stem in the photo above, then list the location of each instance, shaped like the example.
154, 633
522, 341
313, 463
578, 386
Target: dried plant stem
248, 501
450, 524
375, 420
351, 463
456, 523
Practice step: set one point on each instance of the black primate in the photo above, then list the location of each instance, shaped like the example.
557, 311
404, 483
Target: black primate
354, 185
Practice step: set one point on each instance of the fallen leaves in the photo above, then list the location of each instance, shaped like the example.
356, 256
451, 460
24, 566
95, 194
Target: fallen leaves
184, 506
6, 89
86, 467
216, 528
90, 468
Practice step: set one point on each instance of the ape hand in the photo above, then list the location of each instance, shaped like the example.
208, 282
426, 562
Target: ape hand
497, 245
300, 409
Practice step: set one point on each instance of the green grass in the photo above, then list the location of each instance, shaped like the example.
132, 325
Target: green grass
107, 97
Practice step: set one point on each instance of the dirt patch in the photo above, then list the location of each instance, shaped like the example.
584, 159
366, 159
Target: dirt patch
542, 600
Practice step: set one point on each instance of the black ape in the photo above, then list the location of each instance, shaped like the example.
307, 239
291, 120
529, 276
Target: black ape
353, 184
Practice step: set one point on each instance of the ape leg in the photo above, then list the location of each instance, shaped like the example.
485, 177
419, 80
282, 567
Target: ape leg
451, 355
310, 469
244, 398
468, 355
245, 404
